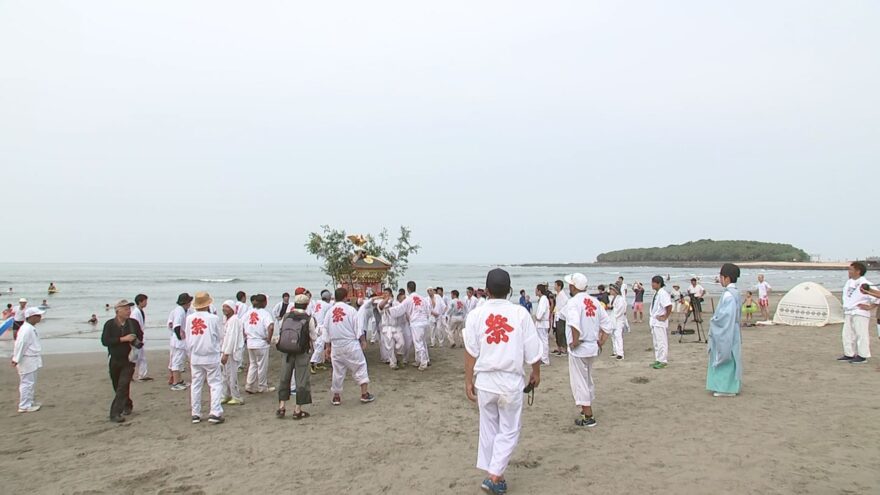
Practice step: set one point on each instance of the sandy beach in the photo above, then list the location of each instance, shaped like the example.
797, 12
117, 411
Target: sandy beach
804, 424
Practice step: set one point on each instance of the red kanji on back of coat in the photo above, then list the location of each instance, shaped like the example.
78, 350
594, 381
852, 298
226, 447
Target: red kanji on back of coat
497, 329
198, 326
417, 300
590, 307
338, 315
254, 318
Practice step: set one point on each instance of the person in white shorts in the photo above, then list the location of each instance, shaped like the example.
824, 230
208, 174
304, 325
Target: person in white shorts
176, 322
587, 327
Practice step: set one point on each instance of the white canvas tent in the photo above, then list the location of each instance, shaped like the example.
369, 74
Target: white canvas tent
809, 305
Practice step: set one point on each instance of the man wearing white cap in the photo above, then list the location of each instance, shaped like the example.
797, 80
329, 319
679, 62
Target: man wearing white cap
587, 327
232, 353
498, 338
19, 316
27, 359
204, 343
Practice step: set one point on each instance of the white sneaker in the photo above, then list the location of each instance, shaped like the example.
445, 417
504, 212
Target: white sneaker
719, 394
423, 367
33, 408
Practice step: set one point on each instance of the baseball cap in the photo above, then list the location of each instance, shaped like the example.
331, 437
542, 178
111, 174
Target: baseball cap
578, 280
498, 282
301, 299
123, 303
33, 312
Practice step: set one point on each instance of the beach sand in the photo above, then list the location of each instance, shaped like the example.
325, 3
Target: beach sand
804, 423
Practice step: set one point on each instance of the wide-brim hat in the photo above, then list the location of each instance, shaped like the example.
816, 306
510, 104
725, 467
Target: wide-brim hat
183, 299
202, 300
33, 312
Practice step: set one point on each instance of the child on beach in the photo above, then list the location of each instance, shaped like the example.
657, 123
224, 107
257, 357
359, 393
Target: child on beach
749, 307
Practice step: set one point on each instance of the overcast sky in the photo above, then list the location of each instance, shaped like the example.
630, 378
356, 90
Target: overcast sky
500, 131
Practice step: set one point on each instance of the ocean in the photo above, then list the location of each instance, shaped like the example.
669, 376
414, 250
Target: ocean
85, 289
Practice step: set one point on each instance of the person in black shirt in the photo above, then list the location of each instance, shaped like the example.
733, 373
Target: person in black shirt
120, 335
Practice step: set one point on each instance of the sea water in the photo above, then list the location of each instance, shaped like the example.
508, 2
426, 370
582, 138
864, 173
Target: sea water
85, 289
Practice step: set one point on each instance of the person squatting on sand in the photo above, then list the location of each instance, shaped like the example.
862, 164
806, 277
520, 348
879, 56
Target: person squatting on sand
499, 337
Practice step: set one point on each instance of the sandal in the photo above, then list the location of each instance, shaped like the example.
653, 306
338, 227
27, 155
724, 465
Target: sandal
301, 415
280, 413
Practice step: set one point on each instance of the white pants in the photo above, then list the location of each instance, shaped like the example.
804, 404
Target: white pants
661, 344
500, 424
141, 364
258, 370
418, 338
543, 336
408, 348
347, 357
177, 361
392, 339
230, 379
456, 325
580, 374
440, 332
372, 333
26, 384
617, 339
211, 373
386, 353
856, 338
318, 355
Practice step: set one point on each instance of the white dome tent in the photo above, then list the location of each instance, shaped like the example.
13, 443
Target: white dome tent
808, 305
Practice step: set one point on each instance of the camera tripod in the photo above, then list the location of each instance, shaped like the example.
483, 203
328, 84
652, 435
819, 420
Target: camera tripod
695, 313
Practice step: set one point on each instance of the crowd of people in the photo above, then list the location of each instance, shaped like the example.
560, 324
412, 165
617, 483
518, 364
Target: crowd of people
498, 336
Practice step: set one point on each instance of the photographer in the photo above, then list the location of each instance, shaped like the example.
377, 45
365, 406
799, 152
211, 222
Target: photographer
120, 336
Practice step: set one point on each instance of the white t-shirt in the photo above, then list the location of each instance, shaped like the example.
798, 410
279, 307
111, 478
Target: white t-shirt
457, 309
562, 298
204, 338
320, 311
416, 307
177, 318
256, 327
852, 297
340, 323
661, 301
763, 289
697, 290
542, 314
233, 338
501, 336
27, 351
18, 313
586, 313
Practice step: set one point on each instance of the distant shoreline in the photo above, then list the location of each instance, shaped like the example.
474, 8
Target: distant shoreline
775, 265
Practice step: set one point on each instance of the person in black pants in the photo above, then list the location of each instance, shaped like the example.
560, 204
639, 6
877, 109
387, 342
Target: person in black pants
119, 336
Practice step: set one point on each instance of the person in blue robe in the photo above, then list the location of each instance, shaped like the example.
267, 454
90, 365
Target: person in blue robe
724, 376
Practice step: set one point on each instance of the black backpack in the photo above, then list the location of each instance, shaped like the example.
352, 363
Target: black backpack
294, 336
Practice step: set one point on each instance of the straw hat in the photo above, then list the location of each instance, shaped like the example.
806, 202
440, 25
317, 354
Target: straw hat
202, 300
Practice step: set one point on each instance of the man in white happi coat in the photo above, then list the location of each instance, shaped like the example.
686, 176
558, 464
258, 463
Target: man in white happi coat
27, 359
499, 337
417, 308
344, 346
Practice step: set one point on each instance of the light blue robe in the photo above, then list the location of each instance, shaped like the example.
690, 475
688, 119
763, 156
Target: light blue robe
725, 345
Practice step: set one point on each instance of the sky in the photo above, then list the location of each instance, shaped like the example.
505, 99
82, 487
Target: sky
498, 131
